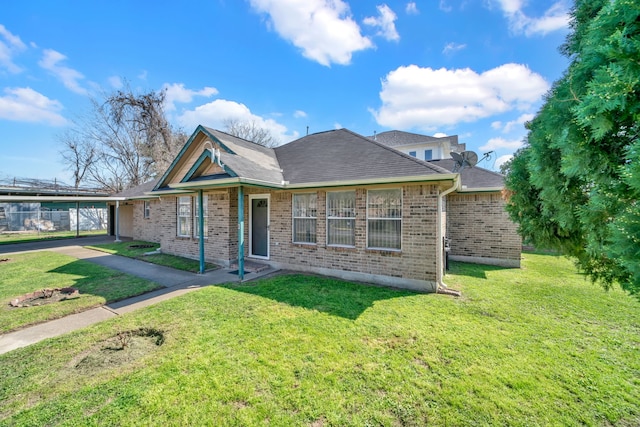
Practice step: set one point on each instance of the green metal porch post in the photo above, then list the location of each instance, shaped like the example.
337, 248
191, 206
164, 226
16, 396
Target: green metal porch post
201, 229
241, 233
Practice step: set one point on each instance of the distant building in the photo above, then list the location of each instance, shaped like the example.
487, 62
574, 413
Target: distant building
422, 147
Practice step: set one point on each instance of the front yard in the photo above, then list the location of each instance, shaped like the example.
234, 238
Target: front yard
25, 273
536, 346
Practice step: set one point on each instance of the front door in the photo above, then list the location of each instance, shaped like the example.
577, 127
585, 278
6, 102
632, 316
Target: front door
259, 227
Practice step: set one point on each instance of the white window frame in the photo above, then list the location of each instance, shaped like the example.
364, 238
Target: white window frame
184, 216
304, 216
341, 216
371, 218
146, 209
196, 211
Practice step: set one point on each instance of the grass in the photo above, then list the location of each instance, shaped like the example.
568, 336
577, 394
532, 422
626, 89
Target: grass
8, 238
29, 272
536, 346
129, 250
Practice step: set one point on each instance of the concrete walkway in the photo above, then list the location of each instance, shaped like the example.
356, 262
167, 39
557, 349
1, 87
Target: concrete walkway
175, 283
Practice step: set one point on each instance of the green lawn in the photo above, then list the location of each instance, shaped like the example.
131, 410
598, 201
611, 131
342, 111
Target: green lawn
24, 273
137, 249
536, 346
8, 238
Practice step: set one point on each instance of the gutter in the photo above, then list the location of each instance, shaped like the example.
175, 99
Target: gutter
284, 185
442, 287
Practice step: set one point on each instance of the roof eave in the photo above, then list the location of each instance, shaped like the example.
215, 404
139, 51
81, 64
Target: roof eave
372, 181
481, 190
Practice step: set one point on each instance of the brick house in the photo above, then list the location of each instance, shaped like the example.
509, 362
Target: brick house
333, 203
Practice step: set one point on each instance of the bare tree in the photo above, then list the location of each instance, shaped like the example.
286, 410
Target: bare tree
123, 141
251, 131
79, 155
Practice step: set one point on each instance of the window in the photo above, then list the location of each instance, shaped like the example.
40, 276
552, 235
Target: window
341, 218
428, 154
184, 216
196, 218
147, 209
412, 153
384, 219
304, 217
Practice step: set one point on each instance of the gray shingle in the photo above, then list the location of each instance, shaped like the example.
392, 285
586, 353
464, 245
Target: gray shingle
475, 177
342, 155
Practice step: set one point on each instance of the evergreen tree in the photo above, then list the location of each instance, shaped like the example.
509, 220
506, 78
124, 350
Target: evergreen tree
575, 186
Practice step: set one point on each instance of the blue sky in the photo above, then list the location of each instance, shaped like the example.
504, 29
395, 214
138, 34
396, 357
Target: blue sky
475, 68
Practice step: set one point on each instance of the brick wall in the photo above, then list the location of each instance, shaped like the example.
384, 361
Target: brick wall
480, 230
413, 267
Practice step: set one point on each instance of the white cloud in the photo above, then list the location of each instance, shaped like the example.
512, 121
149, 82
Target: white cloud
338, 125
426, 98
444, 6
323, 29
8, 48
502, 160
215, 113
439, 134
385, 21
501, 144
69, 77
496, 125
453, 47
115, 82
299, 114
176, 92
27, 105
411, 8
520, 121
555, 18
143, 75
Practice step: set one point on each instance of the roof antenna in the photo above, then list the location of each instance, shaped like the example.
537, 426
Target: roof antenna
307, 130
375, 135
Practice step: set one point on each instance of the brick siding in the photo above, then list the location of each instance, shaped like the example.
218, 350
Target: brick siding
480, 230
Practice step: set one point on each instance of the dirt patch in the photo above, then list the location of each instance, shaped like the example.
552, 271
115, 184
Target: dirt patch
141, 246
119, 350
45, 296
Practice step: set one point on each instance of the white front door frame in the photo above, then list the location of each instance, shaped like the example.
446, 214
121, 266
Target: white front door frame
258, 233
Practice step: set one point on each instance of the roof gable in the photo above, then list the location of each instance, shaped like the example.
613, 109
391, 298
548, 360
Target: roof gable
234, 157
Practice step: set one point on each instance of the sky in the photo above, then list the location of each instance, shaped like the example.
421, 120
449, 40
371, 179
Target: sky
478, 69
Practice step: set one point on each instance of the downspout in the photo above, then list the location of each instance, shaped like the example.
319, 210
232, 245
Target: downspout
440, 235
201, 230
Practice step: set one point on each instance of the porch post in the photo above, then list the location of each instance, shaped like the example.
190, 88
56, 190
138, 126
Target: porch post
241, 233
201, 229
118, 222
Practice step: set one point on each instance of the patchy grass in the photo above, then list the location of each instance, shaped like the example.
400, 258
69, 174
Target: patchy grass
24, 273
23, 237
536, 346
137, 249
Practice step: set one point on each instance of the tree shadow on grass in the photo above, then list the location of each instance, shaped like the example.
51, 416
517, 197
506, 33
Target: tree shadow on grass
478, 271
327, 295
97, 280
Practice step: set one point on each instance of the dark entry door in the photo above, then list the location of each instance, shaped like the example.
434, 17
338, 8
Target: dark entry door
260, 227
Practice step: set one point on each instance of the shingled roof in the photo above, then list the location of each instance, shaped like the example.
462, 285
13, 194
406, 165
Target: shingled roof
475, 177
343, 155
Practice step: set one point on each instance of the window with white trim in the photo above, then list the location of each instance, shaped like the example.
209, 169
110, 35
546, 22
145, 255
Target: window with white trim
147, 209
384, 219
184, 216
341, 218
196, 217
304, 217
